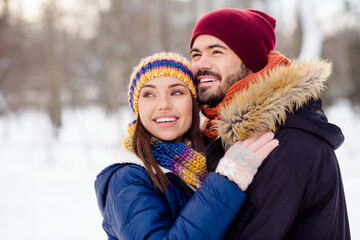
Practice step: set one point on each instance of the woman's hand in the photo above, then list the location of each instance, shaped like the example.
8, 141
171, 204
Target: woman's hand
241, 162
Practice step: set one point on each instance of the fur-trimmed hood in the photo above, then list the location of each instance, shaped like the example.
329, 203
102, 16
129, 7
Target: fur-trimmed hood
265, 104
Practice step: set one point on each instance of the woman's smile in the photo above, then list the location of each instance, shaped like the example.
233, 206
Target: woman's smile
165, 108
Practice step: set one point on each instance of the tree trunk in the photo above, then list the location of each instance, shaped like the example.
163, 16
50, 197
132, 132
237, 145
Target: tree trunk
312, 36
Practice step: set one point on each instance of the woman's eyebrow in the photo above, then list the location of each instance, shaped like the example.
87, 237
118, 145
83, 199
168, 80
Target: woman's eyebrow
176, 85
170, 86
149, 86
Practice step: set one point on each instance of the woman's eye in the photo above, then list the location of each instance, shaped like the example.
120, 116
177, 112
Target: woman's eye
148, 95
216, 51
177, 93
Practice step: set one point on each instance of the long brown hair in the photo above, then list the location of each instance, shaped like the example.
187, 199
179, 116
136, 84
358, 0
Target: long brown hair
141, 144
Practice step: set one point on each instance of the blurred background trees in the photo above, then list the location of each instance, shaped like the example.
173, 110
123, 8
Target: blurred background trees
79, 53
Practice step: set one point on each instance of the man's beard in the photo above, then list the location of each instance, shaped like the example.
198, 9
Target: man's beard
212, 99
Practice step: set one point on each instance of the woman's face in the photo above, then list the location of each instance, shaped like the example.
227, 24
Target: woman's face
165, 108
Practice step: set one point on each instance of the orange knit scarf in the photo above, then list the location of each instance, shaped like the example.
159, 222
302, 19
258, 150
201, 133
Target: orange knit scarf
274, 59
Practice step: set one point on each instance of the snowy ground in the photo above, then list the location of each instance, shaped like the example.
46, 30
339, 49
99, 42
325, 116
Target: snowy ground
46, 184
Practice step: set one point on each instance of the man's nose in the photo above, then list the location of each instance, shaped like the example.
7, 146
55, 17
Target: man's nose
203, 63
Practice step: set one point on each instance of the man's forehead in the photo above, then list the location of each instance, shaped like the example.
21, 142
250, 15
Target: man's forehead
206, 41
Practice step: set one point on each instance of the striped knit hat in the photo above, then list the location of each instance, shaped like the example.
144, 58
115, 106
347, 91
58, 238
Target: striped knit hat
159, 64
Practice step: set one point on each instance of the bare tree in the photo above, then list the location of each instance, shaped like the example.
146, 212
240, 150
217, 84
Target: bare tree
12, 60
54, 68
60, 67
312, 36
4, 27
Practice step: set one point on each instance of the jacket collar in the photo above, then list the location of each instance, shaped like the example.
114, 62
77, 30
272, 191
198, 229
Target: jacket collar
265, 104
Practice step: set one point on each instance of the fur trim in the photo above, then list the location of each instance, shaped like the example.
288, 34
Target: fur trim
265, 103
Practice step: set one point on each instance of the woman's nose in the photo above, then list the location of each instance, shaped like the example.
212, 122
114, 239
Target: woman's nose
164, 103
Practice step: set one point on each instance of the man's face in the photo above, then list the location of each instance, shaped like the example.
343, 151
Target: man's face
215, 68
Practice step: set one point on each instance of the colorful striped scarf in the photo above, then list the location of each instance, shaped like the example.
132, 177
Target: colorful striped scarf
180, 159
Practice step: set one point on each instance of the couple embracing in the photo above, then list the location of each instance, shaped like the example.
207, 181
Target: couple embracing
263, 165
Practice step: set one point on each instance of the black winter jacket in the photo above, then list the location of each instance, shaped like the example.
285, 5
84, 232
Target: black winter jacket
298, 191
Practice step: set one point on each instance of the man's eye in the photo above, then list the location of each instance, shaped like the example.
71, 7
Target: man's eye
195, 55
216, 52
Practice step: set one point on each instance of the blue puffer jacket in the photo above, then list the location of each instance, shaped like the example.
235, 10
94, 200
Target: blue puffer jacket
133, 209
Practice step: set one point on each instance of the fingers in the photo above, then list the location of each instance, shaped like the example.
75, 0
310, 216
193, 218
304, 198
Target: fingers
247, 142
266, 149
261, 144
260, 141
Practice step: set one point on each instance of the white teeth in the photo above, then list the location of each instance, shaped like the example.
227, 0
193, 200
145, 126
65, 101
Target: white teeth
207, 80
159, 120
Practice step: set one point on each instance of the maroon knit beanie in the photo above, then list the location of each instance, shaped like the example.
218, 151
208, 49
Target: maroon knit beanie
249, 33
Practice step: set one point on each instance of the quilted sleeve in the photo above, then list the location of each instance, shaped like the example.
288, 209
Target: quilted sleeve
138, 211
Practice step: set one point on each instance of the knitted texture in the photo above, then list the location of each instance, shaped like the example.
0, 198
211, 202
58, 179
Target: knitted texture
239, 167
249, 33
159, 64
180, 159
127, 141
274, 59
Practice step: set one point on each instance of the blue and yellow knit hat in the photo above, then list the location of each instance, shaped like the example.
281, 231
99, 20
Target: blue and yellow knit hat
159, 64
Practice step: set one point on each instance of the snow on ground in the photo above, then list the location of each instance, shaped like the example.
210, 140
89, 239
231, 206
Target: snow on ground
46, 184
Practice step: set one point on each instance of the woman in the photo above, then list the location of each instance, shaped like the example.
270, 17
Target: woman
155, 198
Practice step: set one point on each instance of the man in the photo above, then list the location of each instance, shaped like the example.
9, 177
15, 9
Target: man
245, 87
